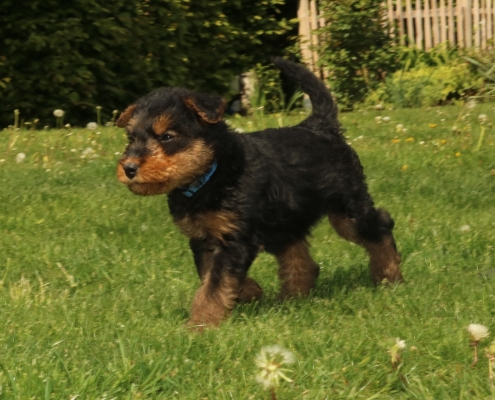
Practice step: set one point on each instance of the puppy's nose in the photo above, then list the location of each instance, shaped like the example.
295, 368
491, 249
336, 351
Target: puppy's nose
130, 169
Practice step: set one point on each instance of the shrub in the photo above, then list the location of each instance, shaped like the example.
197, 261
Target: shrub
427, 85
85, 54
356, 47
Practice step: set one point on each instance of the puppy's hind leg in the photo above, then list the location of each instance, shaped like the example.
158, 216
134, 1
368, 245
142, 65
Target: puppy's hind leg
297, 270
373, 231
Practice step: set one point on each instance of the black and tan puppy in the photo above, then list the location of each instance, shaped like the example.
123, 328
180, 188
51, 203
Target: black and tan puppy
235, 194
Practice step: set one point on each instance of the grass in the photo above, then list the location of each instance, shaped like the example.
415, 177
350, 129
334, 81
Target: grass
96, 283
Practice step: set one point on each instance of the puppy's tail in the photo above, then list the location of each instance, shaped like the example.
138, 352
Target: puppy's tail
321, 100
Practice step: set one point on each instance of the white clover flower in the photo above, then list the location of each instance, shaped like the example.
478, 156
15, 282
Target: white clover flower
67, 126
482, 118
270, 360
399, 127
379, 107
378, 118
92, 125
20, 158
471, 104
395, 350
88, 152
477, 332
386, 119
401, 344
239, 130
465, 228
58, 113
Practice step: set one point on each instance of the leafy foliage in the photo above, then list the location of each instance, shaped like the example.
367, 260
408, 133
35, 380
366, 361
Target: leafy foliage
356, 47
484, 63
427, 79
108, 53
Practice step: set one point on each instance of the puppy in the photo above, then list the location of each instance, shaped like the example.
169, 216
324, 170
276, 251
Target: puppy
235, 194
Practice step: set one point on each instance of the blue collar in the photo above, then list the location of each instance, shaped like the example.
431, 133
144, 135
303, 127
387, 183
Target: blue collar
199, 182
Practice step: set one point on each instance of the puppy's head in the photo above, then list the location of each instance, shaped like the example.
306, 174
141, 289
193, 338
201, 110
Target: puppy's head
169, 145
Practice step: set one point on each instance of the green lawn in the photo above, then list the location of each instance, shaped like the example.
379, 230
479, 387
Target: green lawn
96, 283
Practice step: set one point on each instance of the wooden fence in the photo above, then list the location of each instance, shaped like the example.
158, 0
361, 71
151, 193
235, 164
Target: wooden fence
420, 23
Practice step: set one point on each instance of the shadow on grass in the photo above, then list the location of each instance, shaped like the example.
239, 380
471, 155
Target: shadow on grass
343, 280
337, 284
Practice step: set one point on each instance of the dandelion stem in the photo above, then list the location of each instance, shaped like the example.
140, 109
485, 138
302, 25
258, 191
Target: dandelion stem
475, 358
16, 119
98, 115
490, 373
480, 141
272, 391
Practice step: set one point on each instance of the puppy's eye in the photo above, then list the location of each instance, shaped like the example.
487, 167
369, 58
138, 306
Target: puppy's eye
166, 137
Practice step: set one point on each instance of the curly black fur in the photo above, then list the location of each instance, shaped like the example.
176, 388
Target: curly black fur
274, 185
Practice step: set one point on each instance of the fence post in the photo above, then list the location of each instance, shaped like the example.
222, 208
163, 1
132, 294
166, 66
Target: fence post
468, 24
451, 23
305, 33
443, 22
489, 14
410, 28
419, 25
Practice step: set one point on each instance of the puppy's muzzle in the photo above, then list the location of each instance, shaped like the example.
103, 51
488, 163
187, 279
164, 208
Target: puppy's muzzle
130, 169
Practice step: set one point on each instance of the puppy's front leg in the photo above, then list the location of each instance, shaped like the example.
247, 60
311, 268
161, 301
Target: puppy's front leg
219, 290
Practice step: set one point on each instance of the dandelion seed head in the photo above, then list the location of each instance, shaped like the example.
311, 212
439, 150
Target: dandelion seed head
482, 118
465, 228
477, 332
401, 344
386, 119
20, 158
270, 360
58, 113
92, 125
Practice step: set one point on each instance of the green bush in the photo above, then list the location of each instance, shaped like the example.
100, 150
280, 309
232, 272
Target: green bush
427, 86
95, 53
356, 48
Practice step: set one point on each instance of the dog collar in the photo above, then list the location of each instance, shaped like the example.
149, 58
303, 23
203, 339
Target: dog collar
199, 182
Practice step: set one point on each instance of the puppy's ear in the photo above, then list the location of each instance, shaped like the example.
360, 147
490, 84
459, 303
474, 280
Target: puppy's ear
125, 116
209, 107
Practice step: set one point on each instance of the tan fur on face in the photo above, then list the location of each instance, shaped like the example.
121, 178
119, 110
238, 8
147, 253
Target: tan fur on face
124, 118
297, 270
384, 258
159, 173
219, 111
214, 224
213, 303
161, 124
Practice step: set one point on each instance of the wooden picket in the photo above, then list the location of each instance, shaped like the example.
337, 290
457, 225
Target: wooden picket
417, 23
